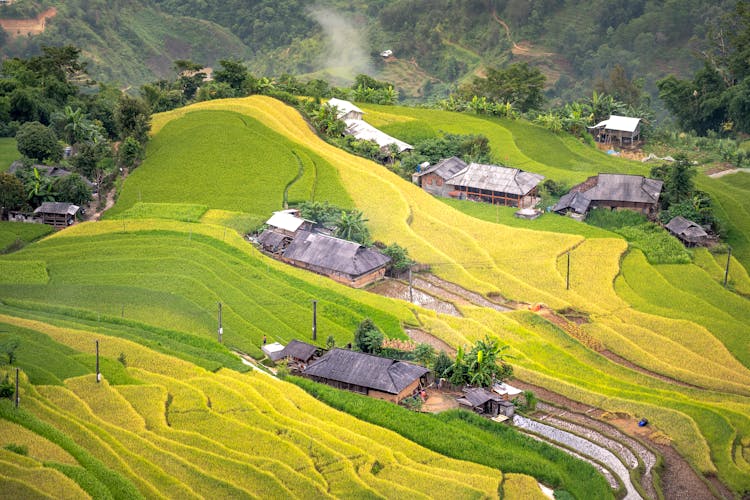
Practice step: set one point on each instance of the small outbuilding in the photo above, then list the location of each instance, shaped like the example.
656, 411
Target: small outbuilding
485, 402
622, 129
273, 351
377, 377
689, 232
288, 222
573, 202
56, 214
613, 191
345, 109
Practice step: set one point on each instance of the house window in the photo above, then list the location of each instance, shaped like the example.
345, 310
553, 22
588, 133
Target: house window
429, 181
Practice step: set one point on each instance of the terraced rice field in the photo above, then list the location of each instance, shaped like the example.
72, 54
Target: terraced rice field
526, 265
732, 205
164, 276
175, 430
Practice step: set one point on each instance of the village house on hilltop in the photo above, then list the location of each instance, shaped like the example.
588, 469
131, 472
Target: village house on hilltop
452, 177
292, 239
361, 130
623, 129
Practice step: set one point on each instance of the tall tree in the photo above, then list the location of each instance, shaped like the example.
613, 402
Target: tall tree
38, 142
519, 84
132, 118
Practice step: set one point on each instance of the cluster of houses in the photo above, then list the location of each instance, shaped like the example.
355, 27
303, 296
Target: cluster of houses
382, 378
296, 241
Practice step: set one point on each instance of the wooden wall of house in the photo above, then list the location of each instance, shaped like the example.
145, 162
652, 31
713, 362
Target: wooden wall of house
644, 208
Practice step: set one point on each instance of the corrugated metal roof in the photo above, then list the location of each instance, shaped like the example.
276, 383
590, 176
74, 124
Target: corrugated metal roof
363, 131
343, 107
479, 396
624, 187
366, 370
57, 208
334, 254
446, 168
273, 351
619, 123
496, 178
286, 220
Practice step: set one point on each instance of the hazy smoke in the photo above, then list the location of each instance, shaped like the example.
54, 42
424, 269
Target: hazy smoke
346, 51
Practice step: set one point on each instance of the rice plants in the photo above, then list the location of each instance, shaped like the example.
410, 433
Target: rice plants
177, 211
14, 235
23, 272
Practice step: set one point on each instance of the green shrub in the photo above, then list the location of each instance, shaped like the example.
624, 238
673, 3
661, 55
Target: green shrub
19, 449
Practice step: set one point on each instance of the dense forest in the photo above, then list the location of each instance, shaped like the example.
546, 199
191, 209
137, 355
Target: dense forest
437, 44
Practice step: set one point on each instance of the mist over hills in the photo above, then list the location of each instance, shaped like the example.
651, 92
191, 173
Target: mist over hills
437, 44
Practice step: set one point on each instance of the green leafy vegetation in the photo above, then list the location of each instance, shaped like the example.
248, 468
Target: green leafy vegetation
8, 152
14, 235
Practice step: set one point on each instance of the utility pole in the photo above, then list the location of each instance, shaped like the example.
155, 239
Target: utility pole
18, 393
98, 373
315, 320
567, 276
726, 271
221, 328
411, 288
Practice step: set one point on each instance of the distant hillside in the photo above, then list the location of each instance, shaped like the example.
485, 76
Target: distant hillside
436, 43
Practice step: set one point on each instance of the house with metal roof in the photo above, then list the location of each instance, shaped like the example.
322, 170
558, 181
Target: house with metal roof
345, 110
288, 222
617, 128
480, 182
488, 403
575, 202
377, 377
689, 232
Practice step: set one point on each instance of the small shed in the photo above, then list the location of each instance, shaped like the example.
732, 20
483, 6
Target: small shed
299, 351
689, 232
345, 109
288, 222
481, 401
57, 214
377, 377
574, 201
363, 131
623, 129
506, 391
273, 351
614, 191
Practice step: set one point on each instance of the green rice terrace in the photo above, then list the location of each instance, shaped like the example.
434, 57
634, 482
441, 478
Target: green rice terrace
178, 414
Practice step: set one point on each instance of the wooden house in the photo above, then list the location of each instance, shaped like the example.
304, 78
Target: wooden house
57, 214
613, 191
689, 232
377, 377
621, 129
485, 402
288, 222
341, 260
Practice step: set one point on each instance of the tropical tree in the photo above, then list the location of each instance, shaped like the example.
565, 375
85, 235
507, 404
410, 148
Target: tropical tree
352, 226
368, 337
12, 195
39, 188
72, 189
38, 142
457, 373
441, 364
487, 362
424, 354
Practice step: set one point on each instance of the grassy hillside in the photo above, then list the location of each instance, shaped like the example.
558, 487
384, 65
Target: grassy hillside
8, 152
170, 274
224, 160
706, 427
160, 426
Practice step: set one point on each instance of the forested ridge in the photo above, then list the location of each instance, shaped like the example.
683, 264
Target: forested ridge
437, 44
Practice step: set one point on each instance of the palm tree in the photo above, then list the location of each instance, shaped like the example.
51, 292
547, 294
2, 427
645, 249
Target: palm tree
75, 124
484, 357
351, 226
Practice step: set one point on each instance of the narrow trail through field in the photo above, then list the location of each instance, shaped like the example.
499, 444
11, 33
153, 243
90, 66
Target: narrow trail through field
525, 48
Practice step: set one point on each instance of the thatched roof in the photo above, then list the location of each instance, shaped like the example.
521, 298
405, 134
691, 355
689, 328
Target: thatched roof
297, 349
446, 168
57, 208
625, 188
477, 397
496, 178
366, 370
686, 229
334, 254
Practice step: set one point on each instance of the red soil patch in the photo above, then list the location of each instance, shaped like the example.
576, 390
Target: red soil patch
24, 27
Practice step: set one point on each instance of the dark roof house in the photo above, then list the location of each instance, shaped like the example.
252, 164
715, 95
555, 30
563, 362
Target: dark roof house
299, 351
344, 261
689, 232
378, 377
613, 191
57, 214
483, 401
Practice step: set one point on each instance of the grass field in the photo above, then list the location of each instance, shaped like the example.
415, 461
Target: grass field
139, 279
14, 235
731, 196
8, 152
176, 430
227, 161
